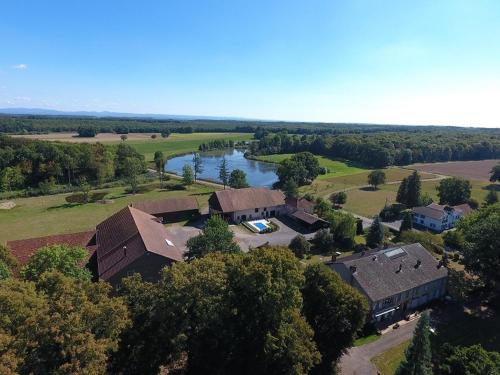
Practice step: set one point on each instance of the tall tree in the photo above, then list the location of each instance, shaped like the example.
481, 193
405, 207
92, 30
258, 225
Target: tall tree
159, 160
472, 360
244, 313
187, 175
375, 236
376, 178
335, 311
413, 190
85, 188
453, 191
69, 260
407, 222
197, 165
495, 173
215, 236
224, 172
418, 355
238, 179
133, 168
481, 231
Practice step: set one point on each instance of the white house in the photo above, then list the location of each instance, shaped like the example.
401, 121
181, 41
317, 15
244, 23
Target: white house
394, 280
247, 204
439, 217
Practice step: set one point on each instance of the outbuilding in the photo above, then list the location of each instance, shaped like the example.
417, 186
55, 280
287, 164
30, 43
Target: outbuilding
170, 209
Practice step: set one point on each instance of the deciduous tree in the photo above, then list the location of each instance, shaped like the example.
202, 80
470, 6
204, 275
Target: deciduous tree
335, 311
300, 246
376, 178
453, 191
238, 179
187, 175
215, 236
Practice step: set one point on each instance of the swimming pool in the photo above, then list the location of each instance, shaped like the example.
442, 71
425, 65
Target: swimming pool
257, 226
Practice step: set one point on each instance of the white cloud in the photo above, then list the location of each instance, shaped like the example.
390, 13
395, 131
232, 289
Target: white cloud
20, 66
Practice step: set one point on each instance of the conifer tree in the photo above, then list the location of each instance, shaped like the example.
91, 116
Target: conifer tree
418, 354
375, 235
406, 224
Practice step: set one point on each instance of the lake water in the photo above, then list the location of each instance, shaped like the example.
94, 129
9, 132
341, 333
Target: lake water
258, 173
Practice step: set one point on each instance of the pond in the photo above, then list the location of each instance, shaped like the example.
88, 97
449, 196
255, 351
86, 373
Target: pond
259, 174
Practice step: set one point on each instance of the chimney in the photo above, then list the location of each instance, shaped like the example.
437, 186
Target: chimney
125, 251
374, 258
419, 262
400, 268
353, 269
334, 257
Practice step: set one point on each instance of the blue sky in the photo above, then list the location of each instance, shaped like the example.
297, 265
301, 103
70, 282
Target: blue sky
413, 62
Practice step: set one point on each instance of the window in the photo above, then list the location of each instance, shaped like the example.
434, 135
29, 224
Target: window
256, 210
388, 301
265, 208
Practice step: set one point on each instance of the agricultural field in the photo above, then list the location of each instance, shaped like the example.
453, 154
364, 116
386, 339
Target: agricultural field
475, 170
175, 144
51, 214
336, 168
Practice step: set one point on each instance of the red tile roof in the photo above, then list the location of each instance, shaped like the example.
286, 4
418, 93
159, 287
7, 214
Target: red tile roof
300, 203
126, 236
24, 249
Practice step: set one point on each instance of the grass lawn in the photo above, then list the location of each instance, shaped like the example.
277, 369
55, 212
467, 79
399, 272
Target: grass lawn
388, 362
181, 143
51, 214
335, 167
366, 339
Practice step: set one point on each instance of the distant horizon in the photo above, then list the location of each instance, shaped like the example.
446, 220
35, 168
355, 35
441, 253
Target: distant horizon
39, 111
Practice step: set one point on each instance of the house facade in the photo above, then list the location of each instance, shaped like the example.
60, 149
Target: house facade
245, 204
438, 217
394, 280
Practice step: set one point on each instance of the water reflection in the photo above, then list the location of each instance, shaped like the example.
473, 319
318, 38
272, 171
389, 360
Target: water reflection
258, 173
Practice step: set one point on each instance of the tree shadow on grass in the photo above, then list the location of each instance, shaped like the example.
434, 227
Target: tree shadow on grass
65, 205
368, 188
495, 187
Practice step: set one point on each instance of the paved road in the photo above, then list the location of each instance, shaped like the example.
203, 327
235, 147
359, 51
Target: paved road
357, 360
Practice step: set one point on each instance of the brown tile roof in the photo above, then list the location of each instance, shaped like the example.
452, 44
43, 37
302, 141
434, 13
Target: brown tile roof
24, 249
231, 200
376, 270
169, 205
300, 203
465, 208
307, 218
126, 236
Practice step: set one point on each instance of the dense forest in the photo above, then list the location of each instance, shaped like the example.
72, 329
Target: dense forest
387, 148
44, 124
28, 163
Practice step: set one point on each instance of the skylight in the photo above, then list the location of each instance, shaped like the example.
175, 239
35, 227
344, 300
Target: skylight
395, 253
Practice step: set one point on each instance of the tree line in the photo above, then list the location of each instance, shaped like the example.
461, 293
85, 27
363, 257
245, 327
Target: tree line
33, 164
386, 148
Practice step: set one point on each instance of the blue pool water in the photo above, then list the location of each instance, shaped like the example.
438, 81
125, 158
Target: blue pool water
260, 226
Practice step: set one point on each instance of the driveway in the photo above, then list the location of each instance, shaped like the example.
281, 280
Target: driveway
357, 360
246, 239
367, 222
282, 236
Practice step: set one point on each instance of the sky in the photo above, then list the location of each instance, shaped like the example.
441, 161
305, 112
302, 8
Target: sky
391, 62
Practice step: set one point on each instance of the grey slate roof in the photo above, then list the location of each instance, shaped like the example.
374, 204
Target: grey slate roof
377, 275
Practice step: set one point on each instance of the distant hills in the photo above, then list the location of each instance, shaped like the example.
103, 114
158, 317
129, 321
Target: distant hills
54, 112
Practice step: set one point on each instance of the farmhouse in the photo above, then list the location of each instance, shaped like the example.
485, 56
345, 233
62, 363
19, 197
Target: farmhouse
133, 241
439, 217
394, 280
171, 209
247, 204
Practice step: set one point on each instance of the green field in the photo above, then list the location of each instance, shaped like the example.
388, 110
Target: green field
335, 168
51, 214
182, 143
388, 362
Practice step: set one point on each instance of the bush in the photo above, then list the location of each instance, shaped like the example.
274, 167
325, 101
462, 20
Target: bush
175, 187
153, 136
98, 195
392, 212
453, 239
323, 170
300, 246
76, 198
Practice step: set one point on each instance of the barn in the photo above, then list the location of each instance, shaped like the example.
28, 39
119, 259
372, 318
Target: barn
171, 209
